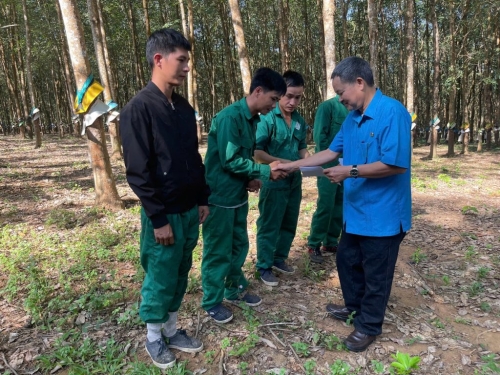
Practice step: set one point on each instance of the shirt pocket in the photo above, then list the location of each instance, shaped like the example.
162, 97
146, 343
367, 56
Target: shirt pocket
247, 147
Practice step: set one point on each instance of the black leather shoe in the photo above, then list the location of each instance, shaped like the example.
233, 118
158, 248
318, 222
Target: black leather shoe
338, 311
358, 342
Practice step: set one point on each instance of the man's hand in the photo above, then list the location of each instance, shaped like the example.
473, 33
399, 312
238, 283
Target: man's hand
254, 186
203, 212
164, 235
337, 174
277, 174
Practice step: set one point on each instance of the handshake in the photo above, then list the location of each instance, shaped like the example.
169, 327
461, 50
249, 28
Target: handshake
280, 170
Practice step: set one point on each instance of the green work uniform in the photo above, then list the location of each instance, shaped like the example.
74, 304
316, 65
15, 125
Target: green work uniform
326, 223
166, 267
229, 168
279, 201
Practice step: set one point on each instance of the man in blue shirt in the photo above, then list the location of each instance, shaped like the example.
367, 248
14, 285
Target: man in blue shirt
375, 142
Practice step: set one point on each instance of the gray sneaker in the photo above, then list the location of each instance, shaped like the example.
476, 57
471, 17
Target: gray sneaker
283, 268
159, 353
268, 277
249, 299
184, 343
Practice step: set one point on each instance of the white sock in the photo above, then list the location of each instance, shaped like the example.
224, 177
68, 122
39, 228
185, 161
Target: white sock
154, 331
169, 328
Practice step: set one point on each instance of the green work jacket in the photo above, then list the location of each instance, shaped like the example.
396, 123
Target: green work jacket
329, 118
275, 137
229, 161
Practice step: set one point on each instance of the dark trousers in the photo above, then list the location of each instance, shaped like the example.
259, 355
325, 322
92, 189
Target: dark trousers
366, 270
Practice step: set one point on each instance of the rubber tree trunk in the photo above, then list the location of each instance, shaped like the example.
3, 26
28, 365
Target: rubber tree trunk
329, 31
116, 144
246, 75
105, 188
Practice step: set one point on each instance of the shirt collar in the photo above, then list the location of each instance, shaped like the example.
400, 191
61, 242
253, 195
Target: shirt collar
155, 90
246, 110
372, 108
277, 111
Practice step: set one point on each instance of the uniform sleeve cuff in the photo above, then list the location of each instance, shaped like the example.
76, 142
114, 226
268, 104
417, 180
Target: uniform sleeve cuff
159, 220
265, 172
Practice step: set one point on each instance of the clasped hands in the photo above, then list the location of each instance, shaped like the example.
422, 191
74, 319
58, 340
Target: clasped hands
335, 174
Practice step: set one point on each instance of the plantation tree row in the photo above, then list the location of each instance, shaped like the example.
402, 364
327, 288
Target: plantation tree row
439, 57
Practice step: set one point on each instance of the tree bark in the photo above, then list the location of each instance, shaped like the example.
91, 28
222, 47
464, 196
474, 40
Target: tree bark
105, 188
146, 17
283, 25
329, 30
373, 37
453, 91
34, 123
246, 75
435, 94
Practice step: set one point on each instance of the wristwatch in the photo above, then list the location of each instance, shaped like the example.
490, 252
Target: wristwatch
354, 171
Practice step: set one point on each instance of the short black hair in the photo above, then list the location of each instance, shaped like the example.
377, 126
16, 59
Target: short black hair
269, 80
293, 79
349, 69
165, 41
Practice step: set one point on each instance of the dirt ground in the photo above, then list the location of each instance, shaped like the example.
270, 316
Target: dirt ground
437, 309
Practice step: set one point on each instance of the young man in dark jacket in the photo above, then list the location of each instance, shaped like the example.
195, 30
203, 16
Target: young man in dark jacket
165, 170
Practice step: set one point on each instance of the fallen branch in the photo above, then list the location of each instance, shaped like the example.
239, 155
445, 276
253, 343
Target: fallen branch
7, 364
276, 337
278, 324
198, 325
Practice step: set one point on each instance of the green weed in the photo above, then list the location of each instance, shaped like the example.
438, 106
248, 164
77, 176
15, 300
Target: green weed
446, 280
377, 366
482, 272
469, 210
309, 366
339, 367
404, 364
302, 349
418, 256
476, 288
333, 342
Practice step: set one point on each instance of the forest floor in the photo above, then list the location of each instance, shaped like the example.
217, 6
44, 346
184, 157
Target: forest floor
70, 279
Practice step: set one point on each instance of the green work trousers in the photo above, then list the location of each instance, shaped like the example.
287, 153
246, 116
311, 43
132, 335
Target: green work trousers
225, 248
277, 223
326, 223
166, 267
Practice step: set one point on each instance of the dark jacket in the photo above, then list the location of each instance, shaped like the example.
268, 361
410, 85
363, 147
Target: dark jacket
160, 150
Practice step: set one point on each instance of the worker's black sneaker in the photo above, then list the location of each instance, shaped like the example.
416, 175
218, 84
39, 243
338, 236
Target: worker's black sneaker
184, 343
268, 278
159, 353
315, 254
220, 313
328, 251
283, 267
248, 299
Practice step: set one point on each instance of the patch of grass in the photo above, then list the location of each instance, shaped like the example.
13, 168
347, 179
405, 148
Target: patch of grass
470, 253
413, 340
309, 366
377, 366
461, 320
81, 355
446, 280
309, 272
253, 202
475, 288
243, 347
445, 178
339, 367
309, 207
301, 348
482, 272
332, 342
469, 210
418, 256
485, 307
62, 219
